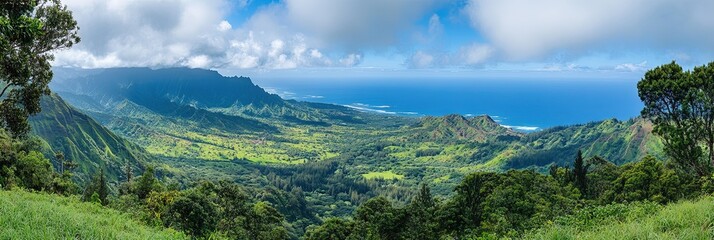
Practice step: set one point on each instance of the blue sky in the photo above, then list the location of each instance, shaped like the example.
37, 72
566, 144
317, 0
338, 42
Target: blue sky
334, 37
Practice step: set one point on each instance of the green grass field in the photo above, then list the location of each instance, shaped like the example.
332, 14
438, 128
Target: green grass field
683, 220
25, 215
386, 175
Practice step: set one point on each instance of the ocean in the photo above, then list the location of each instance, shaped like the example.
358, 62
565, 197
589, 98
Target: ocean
524, 104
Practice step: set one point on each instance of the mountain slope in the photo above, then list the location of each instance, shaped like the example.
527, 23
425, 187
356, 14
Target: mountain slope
83, 140
456, 127
151, 88
617, 141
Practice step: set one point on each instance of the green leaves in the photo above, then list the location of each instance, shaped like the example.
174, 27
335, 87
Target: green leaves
680, 105
29, 31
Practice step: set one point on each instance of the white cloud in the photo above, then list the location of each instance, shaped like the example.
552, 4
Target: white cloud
144, 32
201, 61
224, 26
522, 128
532, 29
351, 60
421, 59
159, 33
476, 54
467, 56
354, 24
632, 67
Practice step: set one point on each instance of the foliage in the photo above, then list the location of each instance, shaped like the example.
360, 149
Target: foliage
26, 215
650, 180
515, 203
29, 31
680, 104
580, 171
683, 220
25, 168
97, 187
331, 229
221, 209
192, 212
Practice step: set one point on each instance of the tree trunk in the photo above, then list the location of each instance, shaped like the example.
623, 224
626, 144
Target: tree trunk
711, 152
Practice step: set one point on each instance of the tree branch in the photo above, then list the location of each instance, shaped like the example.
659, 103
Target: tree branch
4, 89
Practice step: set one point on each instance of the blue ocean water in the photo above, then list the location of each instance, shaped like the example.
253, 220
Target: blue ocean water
524, 104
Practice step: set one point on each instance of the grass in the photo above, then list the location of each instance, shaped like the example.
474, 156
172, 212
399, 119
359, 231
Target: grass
25, 215
386, 175
683, 220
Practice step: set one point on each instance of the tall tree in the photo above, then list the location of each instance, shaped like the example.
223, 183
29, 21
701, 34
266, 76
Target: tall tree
30, 30
97, 186
580, 171
422, 223
146, 184
666, 92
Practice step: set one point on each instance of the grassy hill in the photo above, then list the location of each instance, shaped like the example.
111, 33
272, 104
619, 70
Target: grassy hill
683, 220
456, 127
25, 215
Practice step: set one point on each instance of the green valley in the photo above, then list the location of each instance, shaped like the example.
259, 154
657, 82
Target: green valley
314, 162
361, 120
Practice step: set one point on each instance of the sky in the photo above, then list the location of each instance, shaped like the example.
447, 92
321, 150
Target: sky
393, 37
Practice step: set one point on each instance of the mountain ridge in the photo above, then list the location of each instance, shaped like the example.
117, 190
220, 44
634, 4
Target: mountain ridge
83, 141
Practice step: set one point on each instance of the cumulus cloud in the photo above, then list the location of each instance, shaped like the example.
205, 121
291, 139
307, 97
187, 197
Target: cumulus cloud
160, 33
327, 33
528, 29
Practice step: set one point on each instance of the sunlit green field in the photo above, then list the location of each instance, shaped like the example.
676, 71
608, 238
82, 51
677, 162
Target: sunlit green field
386, 175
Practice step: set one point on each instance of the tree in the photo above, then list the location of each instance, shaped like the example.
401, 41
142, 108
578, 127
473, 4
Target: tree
146, 184
601, 175
379, 218
30, 30
62, 182
580, 171
647, 179
672, 99
193, 213
265, 222
65, 164
97, 186
331, 229
128, 172
33, 171
422, 223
